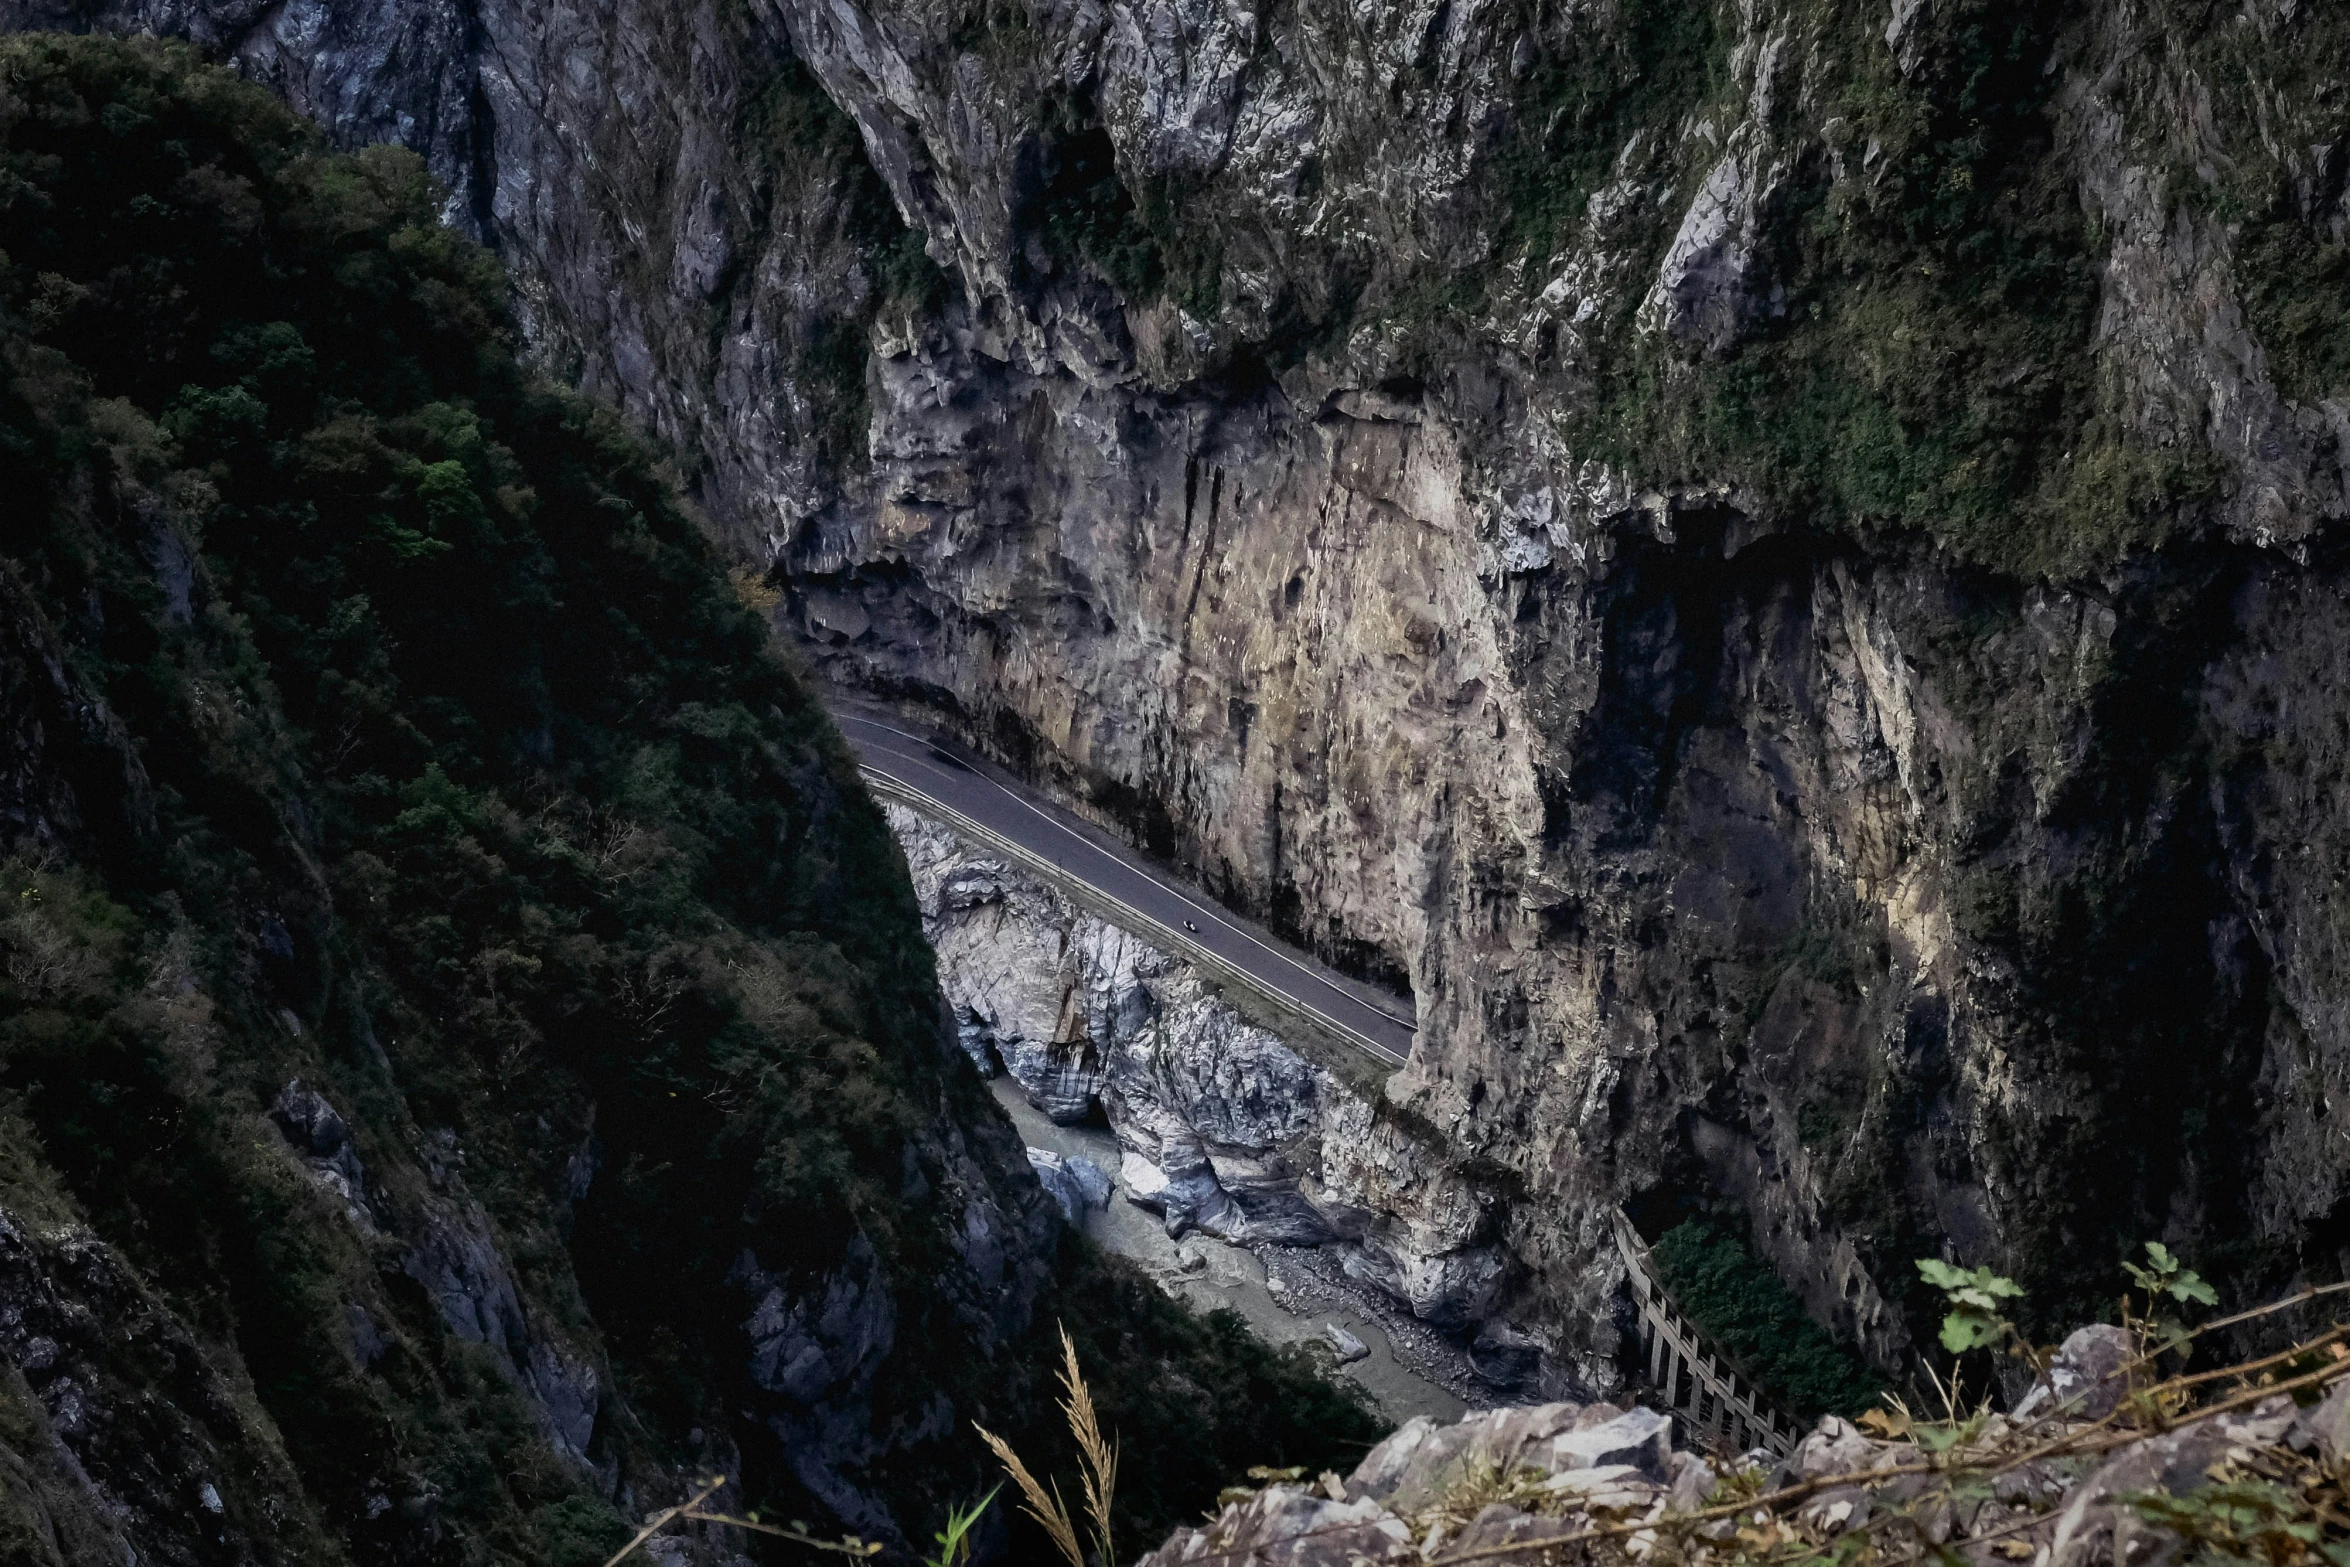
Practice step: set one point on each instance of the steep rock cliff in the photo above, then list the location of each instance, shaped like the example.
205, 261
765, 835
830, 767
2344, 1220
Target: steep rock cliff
1777, 563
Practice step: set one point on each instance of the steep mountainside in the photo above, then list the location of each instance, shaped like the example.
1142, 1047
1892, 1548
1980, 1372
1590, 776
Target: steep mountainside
468, 1057
1778, 562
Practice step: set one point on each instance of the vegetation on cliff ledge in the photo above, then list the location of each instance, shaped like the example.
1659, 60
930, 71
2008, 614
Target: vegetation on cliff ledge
1741, 1305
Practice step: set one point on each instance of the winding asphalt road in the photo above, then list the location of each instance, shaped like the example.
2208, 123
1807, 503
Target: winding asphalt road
930, 768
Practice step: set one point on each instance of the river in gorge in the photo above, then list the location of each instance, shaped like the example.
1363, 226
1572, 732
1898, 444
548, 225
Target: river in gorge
1286, 1295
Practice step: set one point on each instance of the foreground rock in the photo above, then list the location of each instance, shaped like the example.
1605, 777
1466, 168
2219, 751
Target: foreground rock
1399, 1500
2059, 1494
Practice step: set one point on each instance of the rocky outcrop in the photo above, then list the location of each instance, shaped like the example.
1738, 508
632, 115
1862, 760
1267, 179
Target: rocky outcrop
450, 1250
123, 1436
718, 280
1723, 851
1390, 1509
447, 963
1501, 1484
1074, 1183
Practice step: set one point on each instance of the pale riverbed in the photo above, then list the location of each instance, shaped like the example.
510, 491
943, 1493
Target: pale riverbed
1236, 1277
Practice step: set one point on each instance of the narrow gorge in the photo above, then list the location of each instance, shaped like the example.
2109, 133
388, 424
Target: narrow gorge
1777, 566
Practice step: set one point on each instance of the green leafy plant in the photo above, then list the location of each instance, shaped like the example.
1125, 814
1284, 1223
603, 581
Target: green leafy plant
2241, 1519
2164, 1278
1977, 1317
954, 1541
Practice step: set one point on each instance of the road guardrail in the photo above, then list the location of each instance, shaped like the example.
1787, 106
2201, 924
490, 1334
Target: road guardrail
1126, 917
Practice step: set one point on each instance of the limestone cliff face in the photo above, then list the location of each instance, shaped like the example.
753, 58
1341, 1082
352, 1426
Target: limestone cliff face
1779, 564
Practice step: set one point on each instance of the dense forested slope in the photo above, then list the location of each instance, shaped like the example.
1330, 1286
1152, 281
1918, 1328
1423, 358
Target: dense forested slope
467, 1053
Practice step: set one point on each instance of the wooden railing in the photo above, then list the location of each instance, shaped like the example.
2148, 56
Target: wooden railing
1716, 1405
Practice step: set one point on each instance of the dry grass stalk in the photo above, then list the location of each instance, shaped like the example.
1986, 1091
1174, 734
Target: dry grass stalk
691, 1510
653, 1525
1098, 1456
1044, 1506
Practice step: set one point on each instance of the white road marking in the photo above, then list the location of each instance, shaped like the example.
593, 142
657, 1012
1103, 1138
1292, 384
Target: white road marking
1176, 892
1125, 915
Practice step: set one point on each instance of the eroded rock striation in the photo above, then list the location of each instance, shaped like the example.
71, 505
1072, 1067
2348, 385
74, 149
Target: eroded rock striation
1779, 565
1223, 1126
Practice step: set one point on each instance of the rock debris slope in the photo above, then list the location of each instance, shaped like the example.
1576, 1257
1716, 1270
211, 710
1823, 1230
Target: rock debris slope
1778, 562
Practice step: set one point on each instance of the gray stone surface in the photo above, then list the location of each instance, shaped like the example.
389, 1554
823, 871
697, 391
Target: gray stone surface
1591, 1458
1222, 1127
2087, 1379
1285, 1296
2098, 1527
1074, 1184
100, 1465
1573, 1467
